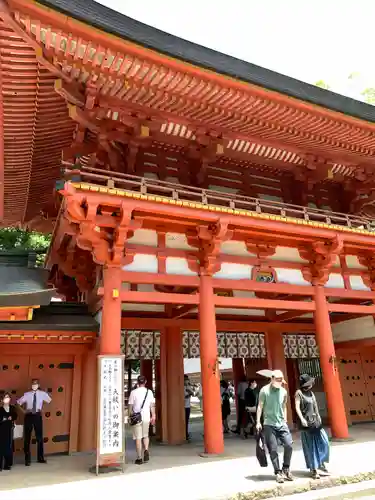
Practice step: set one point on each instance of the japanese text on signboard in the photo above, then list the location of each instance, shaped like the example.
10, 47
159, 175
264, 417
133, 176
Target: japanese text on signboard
111, 406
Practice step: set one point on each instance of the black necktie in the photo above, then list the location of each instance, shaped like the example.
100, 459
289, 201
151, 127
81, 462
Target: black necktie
34, 403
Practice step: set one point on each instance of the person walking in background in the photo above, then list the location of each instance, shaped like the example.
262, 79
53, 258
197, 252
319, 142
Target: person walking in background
8, 416
34, 400
272, 405
225, 405
315, 443
251, 403
188, 393
241, 407
142, 401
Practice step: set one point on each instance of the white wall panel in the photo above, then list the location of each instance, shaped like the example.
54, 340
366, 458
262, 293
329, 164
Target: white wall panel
143, 263
353, 329
291, 276
240, 312
177, 240
335, 280
145, 237
356, 282
287, 254
232, 271
233, 247
176, 265
353, 262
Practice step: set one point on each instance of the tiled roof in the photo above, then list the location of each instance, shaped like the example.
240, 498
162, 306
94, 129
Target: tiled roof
110, 21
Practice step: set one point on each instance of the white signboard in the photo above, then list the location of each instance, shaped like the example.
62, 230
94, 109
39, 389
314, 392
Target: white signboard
111, 405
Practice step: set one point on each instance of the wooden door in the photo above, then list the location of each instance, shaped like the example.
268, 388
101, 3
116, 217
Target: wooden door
56, 377
354, 387
368, 366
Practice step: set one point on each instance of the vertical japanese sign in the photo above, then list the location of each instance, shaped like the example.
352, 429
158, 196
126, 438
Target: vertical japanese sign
111, 410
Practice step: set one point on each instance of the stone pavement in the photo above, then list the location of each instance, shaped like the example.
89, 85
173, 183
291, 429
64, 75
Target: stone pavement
180, 473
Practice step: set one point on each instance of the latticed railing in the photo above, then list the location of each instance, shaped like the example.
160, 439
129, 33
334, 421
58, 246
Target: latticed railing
211, 197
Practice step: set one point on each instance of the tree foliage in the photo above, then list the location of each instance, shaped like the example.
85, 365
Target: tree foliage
368, 94
13, 238
322, 84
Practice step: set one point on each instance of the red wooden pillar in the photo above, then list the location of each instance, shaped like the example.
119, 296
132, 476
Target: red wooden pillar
110, 332
276, 361
161, 390
331, 378
147, 371
175, 386
88, 416
213, 429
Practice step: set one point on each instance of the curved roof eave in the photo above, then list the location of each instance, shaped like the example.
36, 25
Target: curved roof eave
110, 21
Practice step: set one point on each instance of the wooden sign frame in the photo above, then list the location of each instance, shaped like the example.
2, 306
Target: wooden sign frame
112, 458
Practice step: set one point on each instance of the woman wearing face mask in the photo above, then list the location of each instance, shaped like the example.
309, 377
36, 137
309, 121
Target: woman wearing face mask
8, 416
314, 438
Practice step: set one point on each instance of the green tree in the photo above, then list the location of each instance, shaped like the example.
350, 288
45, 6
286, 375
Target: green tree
369, 95
14, 238
322, 84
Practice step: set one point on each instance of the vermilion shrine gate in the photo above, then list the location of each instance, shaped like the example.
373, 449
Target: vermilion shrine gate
199, 194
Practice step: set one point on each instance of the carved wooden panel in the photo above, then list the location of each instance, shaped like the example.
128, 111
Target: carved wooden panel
138, 344
300, 347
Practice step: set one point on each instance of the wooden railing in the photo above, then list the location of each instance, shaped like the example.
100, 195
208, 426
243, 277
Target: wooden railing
147, 186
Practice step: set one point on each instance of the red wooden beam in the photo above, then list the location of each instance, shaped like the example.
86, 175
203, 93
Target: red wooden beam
159, 298
221, 325
255, 286
160, 279
351, 309
264, 226
287, 316
182, 311
230, 302
340, 293
255, 303
356, 344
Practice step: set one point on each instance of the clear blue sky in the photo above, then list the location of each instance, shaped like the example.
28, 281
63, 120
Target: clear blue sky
309, 40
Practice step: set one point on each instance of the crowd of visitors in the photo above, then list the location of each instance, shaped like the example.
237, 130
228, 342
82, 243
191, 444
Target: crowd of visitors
262, 413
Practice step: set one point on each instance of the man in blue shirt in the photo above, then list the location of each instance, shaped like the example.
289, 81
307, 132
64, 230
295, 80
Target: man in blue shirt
33, 401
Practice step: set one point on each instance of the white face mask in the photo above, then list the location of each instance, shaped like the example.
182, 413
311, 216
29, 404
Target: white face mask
6, 401
277, 385
35, 387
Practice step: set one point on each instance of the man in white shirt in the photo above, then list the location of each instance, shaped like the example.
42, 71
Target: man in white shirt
141, 400
33, 400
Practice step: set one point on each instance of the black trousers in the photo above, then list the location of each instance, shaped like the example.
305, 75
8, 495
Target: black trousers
241, 413
274, 434
6, 459
33, 422
187, 418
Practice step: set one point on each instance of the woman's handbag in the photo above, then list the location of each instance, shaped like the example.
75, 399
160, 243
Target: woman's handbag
314, 422
136, 418
18, 432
